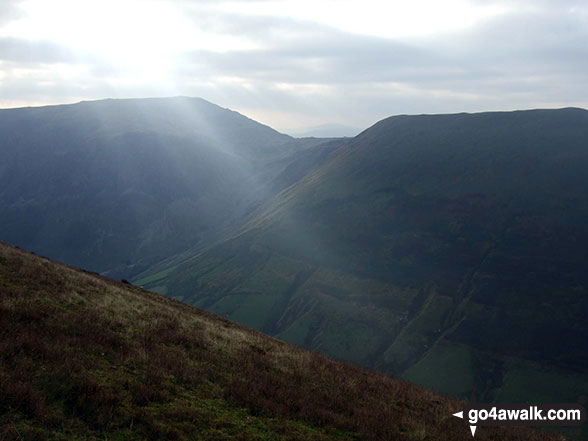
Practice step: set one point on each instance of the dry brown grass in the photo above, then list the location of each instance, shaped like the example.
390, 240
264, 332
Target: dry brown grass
80, 354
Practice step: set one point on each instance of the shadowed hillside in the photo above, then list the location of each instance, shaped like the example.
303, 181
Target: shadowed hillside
86, 358
450, 249
117, 185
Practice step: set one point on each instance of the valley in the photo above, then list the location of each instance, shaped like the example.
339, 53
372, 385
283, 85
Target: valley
448, 250
83, 357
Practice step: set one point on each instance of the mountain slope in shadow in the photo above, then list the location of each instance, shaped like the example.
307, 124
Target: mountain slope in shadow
117, 185
84, 357
449, 249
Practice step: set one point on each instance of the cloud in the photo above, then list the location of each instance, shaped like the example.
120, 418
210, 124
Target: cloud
526, 45
25, 51
9, 10
304, 72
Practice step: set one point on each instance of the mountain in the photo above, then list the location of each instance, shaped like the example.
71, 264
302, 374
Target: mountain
86, 358
327, 130
449, 249
117, 185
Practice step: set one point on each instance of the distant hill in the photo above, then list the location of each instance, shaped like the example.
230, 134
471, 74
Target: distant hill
449, 249
117, 185
327, 130
86, 358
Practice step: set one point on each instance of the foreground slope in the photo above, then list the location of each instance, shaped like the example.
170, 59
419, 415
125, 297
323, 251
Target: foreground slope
450, 249
83, 357
116, 185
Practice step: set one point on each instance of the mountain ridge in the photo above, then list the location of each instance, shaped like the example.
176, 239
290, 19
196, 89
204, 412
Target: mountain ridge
443, 248
117, 185
447, 241
85, 357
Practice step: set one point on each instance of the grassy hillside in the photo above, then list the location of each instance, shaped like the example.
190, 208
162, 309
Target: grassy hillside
117, 185
449, 249
86, 358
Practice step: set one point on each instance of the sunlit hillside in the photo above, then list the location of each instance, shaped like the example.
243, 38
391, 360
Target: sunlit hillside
449, 249
87, 358
118, 185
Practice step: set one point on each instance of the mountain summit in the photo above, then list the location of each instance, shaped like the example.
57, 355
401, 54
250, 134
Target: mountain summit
117, 185
449, 249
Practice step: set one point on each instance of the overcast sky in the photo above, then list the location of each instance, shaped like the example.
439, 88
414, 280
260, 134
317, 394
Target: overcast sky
299, 63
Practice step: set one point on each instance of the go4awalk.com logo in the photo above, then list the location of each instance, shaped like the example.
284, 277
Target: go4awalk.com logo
518, 414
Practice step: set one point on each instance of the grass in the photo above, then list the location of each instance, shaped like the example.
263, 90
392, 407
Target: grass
157, 277
546, 385
419, 333
469, 228
248, 309
523, 375
86, 358
298, 332
458, 378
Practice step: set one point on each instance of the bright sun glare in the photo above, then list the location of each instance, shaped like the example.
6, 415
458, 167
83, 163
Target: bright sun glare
144, 41
141, 38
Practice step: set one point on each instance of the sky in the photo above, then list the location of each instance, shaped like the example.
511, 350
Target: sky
295, 64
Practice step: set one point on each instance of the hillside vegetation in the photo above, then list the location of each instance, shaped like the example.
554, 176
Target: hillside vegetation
86, 358
449, 249
117, 185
